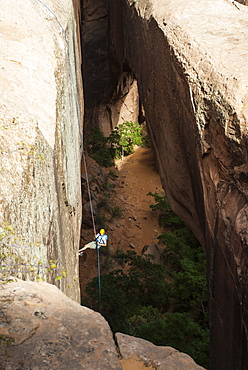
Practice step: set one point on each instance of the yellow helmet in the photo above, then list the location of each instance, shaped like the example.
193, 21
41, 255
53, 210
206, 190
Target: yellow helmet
102, 231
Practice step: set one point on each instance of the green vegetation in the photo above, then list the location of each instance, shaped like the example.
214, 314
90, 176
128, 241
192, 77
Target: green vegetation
166, 216
112, 174
121, 142
106, 212
165, 304
125, 137
116, 212
5, 342
99, 150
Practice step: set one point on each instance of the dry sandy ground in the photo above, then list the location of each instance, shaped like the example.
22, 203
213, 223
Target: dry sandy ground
137, 175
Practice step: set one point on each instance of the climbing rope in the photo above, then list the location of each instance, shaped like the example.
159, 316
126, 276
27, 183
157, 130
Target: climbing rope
99, 280
82, 141
89, 193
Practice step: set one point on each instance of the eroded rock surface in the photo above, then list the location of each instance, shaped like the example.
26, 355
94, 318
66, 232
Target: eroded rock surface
51, 331
158, 357
41, 328
40, 124
190, 62
111, 92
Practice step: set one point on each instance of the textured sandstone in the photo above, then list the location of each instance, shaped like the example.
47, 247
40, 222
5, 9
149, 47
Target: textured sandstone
41, 328
190, 61
50, 331
111, 93
158, 357
40, 119
244, 2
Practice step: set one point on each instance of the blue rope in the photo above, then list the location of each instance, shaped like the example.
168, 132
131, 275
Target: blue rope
99, 280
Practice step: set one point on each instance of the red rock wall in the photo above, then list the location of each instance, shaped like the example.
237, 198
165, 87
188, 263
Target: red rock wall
244, 2
201, 146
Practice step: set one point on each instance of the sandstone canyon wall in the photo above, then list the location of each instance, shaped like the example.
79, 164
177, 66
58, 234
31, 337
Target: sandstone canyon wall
111, 92
190, 61
40, 124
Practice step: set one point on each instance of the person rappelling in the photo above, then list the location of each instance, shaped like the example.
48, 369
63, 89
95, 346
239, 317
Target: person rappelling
101, 240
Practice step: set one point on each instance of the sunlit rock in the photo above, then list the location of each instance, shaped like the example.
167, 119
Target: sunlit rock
40, 137
42, 328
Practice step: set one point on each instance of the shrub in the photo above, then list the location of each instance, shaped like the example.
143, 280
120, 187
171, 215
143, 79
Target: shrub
128, 134
166, 305
121, 142
143, 284
98, 148
101, 220
166, 216
116, 212
112, 174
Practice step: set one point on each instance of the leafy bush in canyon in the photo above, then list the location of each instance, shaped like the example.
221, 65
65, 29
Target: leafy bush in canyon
166, 216
98, 148
107, 212
126, 136
143, 284
121, 142
116, 212
174, 329
165, 304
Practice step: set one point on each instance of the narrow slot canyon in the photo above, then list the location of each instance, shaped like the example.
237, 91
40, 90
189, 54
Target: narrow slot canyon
136, 225
137, 229
192, 150
71, 73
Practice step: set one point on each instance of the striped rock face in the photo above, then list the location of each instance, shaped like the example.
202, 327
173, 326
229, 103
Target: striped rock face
190, 62
40, 137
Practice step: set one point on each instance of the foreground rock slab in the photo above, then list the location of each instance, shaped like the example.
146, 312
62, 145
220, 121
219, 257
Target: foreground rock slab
41, 328
154, 356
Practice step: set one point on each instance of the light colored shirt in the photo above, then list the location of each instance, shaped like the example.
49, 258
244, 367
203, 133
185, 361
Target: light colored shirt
101, 240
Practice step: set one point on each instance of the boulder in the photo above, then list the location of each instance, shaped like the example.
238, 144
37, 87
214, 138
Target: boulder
156, 251
155, 357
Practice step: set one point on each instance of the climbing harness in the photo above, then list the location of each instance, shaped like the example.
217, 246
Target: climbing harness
101, 239
82, 142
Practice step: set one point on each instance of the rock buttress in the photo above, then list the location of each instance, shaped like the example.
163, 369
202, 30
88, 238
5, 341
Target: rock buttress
190, 64
40, 112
